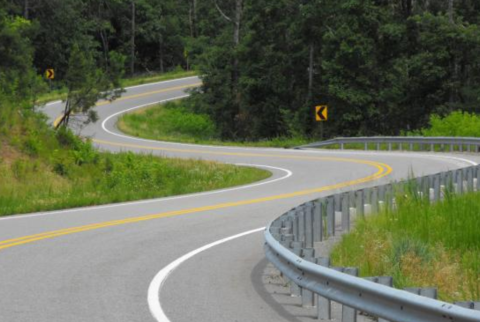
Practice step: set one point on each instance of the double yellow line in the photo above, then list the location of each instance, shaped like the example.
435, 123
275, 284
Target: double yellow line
129, 97
382, 170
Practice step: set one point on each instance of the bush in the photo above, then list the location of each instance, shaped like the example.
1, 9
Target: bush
84, 153
66, 137
457, 123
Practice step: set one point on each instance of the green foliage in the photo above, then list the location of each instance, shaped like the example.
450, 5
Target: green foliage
87, 84
177, 122
420, 243
42, 169
383, 67
457, 123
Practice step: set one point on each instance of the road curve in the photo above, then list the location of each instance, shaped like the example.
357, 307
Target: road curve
98, 263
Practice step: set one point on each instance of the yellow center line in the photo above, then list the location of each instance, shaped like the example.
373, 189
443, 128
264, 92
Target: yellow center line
382, 170
129, 97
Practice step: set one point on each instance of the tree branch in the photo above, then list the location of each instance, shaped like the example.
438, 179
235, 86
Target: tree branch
221, 12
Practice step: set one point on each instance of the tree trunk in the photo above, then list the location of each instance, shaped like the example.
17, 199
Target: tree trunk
454, 64
195, 33
192, 16
103, 37
236, 42
450, 11
310, 73
26, 9
132, 41
160, 52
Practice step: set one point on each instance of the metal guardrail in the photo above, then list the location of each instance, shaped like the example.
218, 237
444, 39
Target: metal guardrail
405, 143
290, 241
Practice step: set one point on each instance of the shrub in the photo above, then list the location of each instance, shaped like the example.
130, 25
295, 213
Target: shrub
457, 123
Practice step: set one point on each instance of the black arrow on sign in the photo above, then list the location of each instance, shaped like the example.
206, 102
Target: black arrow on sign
320, 113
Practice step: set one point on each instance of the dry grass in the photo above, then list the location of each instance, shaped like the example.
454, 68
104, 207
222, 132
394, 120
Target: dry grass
385, 244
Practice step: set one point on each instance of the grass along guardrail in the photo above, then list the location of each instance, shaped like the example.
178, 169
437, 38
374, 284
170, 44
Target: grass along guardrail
420, 243
432, 223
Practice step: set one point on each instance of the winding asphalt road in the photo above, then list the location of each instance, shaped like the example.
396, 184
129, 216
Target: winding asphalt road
107, 263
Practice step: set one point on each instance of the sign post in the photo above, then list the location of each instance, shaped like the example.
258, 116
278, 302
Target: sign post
50, 74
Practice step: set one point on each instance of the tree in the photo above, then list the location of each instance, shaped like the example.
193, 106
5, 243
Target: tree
87, 84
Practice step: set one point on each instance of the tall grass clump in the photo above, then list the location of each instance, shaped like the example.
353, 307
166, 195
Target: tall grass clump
420, 244
176, 122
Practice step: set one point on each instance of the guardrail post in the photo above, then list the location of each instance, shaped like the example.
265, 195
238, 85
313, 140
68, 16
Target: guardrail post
452, 147
470, 183
295, 224
436, 187
295, 289
324, 311
429, 292
309, 225
469, 148
308, 297
366, 146
348, 314
341, 146
477, 176
449, 181
469, 305
389, 146
381, 194
286, 227
411, 146
383, 280
389, 196
367, 194
459, 181
360, 210
318, 221
330, 216
432, 147
460, 147
374, 199
378, 146
345, 212
301, 224
400, 146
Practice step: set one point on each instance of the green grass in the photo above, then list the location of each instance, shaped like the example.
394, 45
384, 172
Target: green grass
44, 170
61, 93
420, 244
174, 122
30, 185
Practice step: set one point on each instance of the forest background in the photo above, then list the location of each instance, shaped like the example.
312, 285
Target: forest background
382, 66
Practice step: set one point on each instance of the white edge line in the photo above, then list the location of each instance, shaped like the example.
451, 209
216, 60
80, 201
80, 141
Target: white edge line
405, 154
155, 286
417, 155
191, 195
